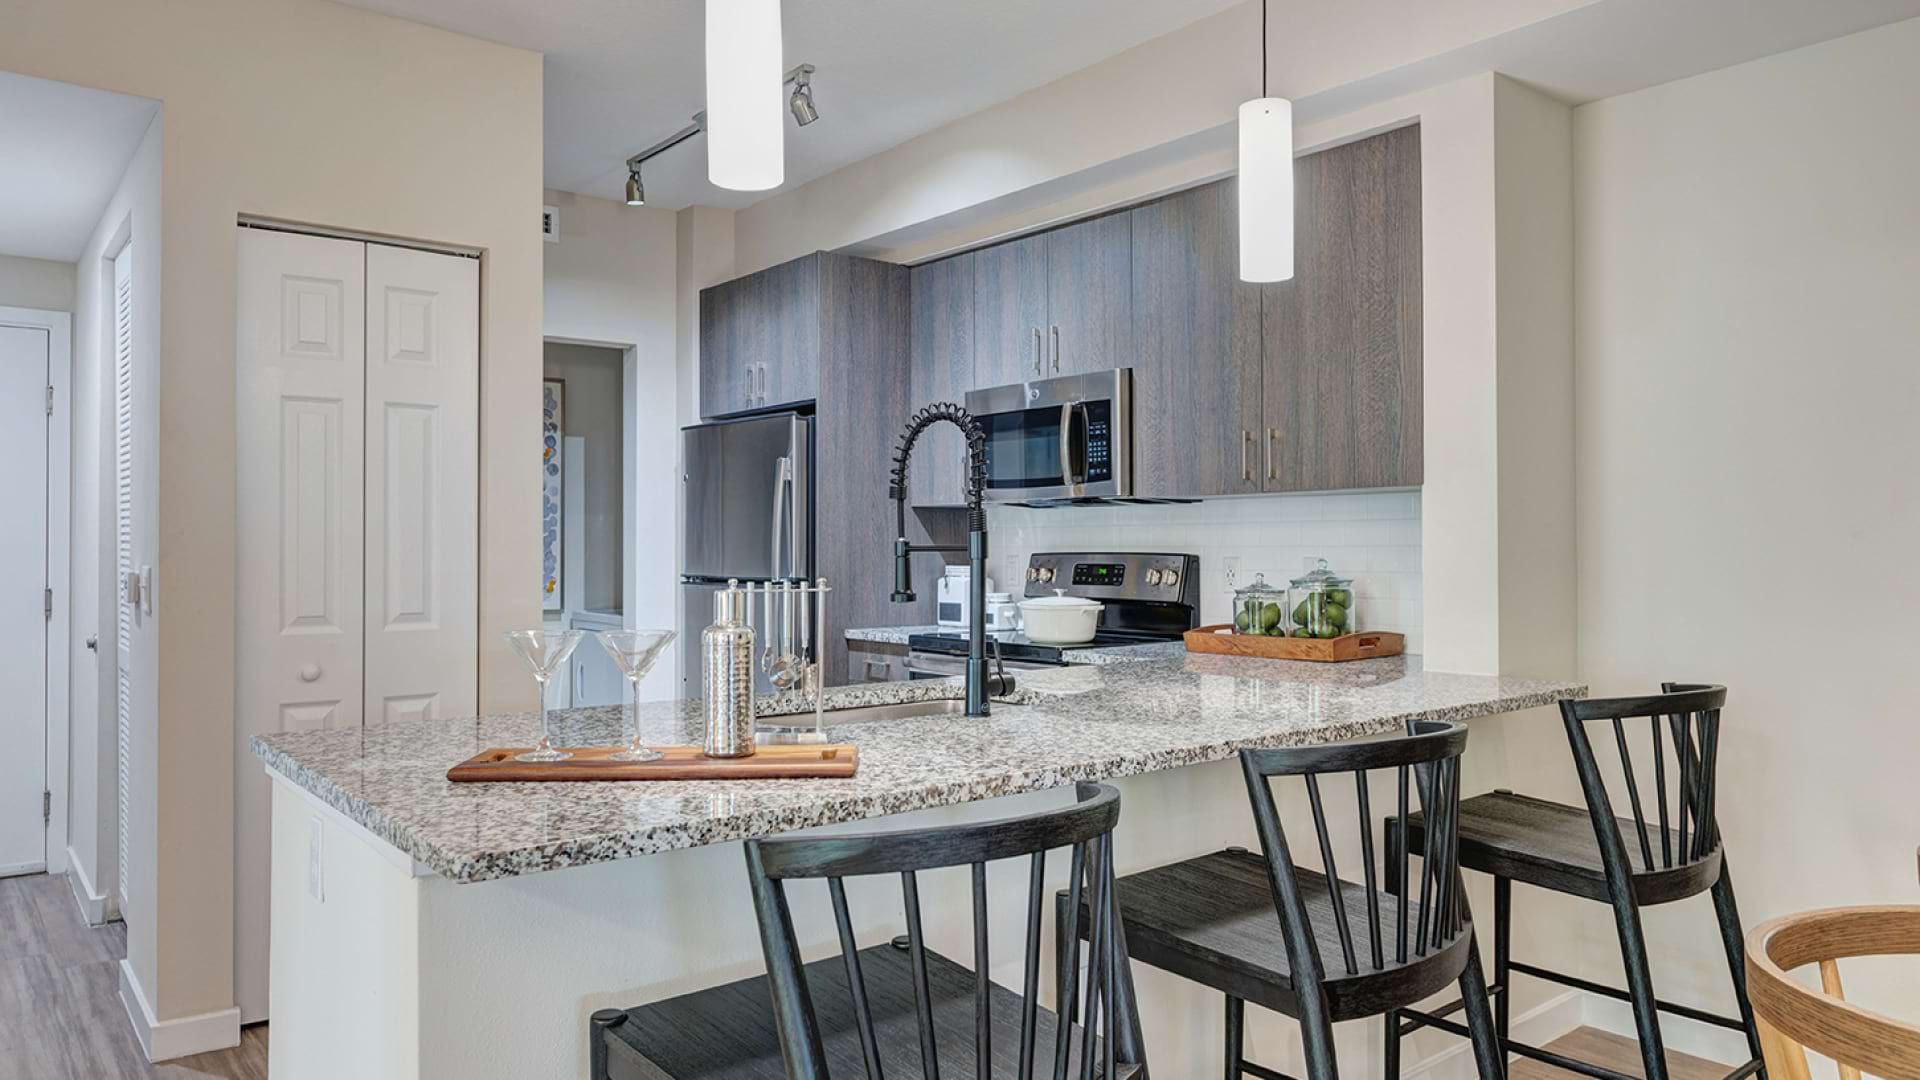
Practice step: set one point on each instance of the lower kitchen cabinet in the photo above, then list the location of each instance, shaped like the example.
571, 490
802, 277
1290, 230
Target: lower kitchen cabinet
875, 662
1342, 373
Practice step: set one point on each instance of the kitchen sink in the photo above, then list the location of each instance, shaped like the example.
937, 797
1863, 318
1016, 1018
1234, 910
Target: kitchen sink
905, 710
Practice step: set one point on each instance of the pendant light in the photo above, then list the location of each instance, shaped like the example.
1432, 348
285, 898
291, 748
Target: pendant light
1266, 180
746, 99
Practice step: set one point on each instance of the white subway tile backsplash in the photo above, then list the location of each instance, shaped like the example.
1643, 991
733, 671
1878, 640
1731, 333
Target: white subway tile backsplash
1372, 536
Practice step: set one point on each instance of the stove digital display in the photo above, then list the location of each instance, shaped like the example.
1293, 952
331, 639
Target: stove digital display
1099, 574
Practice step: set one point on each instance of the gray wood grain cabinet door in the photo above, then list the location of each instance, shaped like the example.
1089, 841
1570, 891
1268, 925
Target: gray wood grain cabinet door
1010, 311
1089, 297
942, 356
1342, 382
789, 330
1197, 358
725, 379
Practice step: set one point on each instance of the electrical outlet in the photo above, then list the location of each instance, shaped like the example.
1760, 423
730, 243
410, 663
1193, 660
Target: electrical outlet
316, 833
1231, 564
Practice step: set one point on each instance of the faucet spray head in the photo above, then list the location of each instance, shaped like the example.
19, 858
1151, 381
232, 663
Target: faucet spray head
902, 572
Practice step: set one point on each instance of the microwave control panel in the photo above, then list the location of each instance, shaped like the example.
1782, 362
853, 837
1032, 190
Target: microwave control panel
1099, 418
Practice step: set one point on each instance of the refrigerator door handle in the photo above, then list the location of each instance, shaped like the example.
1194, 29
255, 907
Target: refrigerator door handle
782, 480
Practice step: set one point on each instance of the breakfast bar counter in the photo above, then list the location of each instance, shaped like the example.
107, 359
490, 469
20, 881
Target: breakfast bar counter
506, 913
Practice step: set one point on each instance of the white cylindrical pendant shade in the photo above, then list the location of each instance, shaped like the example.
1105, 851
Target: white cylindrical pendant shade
746, 101
1266, 190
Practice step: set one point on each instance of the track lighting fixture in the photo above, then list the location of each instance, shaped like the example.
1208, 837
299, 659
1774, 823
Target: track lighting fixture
801, 100
799, 103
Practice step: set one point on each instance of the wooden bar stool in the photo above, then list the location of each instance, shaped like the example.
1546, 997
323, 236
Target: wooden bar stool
901, 1008
1340, 950
1793, 1018
1587, 851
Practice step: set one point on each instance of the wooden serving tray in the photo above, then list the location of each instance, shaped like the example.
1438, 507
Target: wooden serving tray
1362, 646
676, 763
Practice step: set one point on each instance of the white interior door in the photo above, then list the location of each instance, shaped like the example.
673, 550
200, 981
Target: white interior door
423, 485
301, 369
123, 564
23, 582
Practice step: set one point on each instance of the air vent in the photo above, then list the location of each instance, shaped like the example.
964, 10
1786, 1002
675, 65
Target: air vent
550, 224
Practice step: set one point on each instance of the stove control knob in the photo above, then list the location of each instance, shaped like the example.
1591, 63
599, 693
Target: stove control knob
1153, 577
1168, 577
1046, 573
1033, 573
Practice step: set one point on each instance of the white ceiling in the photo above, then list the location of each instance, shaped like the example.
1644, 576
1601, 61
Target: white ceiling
621, 75
63, 149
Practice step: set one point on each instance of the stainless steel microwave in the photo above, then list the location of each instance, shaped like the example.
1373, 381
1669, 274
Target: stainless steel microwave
1065, 438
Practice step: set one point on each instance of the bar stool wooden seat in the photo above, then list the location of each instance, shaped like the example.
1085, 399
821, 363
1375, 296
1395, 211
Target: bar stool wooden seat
902, 1009
1589, 851
1794, 1018
1340, 949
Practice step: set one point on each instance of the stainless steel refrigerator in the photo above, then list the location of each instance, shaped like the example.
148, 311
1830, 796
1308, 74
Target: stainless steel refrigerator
749, 516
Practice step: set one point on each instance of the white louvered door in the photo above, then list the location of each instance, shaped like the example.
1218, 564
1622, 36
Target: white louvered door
123, 564
358, 474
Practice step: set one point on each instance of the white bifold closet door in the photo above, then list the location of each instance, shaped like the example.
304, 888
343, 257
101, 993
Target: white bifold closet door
358, 399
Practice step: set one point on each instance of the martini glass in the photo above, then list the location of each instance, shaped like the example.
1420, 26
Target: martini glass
635, 651
544, 651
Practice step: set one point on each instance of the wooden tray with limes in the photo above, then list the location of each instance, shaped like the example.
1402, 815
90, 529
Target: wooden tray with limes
1365, 645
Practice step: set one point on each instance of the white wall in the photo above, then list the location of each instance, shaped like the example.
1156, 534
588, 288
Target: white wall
611, 280
1748, 244
319, 113
36, 283
1372, 537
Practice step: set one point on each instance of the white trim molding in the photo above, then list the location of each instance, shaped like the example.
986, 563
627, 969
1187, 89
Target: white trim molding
164, 1040
96, 907
59, 328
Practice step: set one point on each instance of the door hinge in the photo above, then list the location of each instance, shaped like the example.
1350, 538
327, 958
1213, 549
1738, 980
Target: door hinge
49, 401
46, 808
48, 609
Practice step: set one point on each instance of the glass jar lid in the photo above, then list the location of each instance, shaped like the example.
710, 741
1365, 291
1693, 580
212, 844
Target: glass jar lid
1320, 578
1258, 587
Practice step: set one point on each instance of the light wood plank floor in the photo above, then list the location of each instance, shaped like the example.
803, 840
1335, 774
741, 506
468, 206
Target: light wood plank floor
60, 1011
1616, 1052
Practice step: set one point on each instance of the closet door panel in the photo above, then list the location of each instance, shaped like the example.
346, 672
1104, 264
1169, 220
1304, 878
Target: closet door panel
422, 485
300, 370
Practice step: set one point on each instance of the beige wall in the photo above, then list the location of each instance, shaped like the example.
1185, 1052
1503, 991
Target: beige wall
313, 112
36, 283
1748, 245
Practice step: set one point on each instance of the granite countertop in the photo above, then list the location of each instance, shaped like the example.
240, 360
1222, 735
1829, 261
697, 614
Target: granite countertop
1111, 654
1062, 725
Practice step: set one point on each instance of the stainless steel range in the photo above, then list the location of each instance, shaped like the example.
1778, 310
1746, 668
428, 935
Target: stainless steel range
1149, 597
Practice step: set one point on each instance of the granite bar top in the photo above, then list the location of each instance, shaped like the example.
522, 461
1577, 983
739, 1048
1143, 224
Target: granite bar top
1110, 654
1072, 723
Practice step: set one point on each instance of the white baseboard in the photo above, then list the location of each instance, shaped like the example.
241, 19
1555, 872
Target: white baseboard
1539, 1025
164, 1040
1708, 1041
95, 907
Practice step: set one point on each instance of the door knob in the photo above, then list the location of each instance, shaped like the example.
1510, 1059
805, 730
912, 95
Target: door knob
309, 672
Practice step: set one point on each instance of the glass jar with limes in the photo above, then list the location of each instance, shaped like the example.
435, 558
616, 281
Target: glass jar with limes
1260, 609
1321, 604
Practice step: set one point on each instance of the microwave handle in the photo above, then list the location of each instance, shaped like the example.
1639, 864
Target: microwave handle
1066, 447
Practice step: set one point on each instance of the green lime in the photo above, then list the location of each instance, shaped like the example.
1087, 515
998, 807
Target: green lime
1270, 616
1327, 632
1342, 597
1240, 621
1335, 615
1300, 614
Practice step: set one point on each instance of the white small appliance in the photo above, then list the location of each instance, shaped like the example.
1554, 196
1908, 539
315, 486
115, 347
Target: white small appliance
953, 600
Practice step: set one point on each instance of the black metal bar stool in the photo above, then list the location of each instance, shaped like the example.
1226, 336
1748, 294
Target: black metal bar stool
900, 1008
1340, 950
1584, 851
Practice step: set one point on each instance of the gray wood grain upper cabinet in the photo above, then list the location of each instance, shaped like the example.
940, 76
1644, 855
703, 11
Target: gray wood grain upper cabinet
1196, 349
942, 370
1342, 380
761, 338
1089, 296
1010, 311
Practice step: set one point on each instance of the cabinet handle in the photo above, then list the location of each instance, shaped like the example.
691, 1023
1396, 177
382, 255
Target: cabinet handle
1056, 349
885, 671
1037, 351
1272, 435
1246, 448
763, 381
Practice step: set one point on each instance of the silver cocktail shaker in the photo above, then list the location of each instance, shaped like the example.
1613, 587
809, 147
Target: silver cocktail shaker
727, 649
